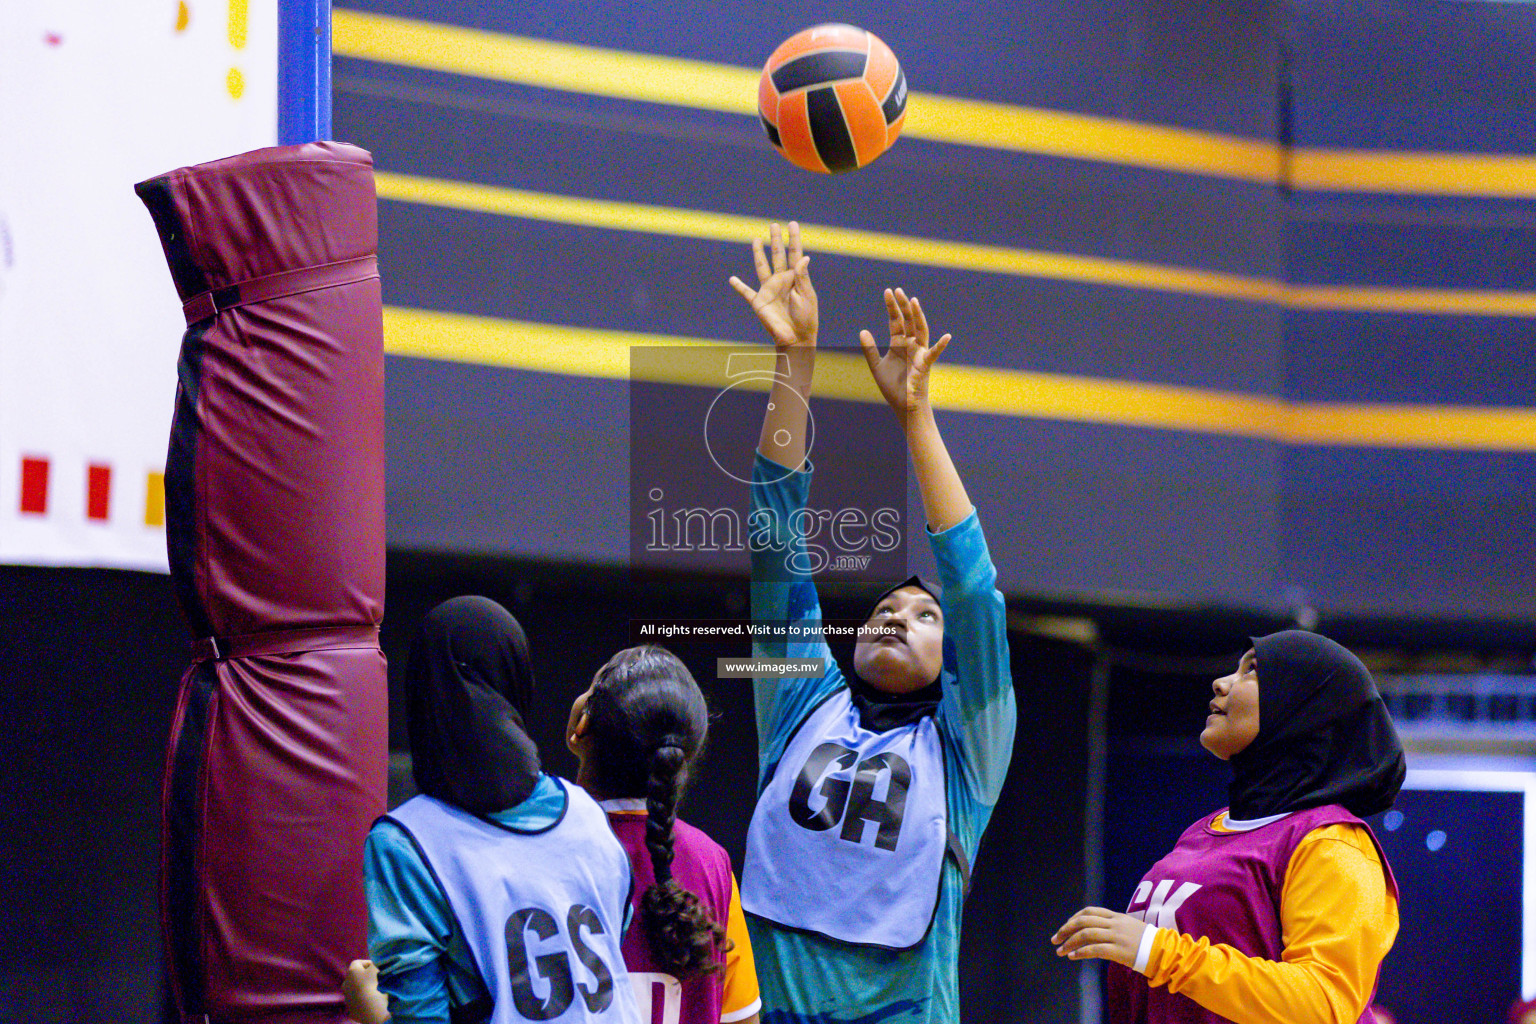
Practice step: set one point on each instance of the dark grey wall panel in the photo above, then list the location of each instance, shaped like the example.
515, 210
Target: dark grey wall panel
1417, 533
1205, 66
1421, 360
1403, 74
534, 465
90, 660
657, 284
443, 126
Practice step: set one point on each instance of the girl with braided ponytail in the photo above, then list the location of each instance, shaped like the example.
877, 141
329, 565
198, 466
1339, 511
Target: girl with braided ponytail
637, 732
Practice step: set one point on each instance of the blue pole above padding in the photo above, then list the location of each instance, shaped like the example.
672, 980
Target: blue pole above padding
303, 71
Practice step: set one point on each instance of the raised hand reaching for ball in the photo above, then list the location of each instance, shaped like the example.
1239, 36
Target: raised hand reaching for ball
902, 373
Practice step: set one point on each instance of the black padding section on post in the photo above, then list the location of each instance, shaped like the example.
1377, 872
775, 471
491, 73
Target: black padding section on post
829, 131
181, 538
183, 830
818, 69
188, 276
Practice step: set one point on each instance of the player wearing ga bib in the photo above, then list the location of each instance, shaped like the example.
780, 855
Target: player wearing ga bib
852, 896
848, 838
865, 781
1213, 900
545, 938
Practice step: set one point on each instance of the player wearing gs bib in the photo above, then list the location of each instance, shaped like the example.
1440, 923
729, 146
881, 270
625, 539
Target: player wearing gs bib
542, 910
637, 732
499, 894
875, 788
1280, 909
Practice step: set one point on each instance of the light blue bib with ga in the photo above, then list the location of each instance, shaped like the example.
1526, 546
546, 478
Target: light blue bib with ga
543, 912
848, 838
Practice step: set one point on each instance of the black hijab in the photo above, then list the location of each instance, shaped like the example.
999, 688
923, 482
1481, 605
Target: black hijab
878, 710
1324, 733
467, 682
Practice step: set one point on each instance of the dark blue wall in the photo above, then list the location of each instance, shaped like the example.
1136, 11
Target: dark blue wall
503, 461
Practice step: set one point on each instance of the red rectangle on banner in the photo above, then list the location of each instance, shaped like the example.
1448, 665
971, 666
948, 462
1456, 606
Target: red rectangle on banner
98, 491
34, 486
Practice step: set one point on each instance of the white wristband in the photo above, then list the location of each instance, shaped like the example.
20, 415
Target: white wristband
1144, 950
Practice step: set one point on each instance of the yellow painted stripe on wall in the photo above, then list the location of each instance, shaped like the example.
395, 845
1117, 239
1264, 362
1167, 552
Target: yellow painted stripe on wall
586, 352
1088, 137
1449, 174
724, 227
702, 85
154, 499
675, 81
589, 352
1412, 426
1428, 301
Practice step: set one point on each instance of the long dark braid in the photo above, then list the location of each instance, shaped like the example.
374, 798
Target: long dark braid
661, 795
648, 719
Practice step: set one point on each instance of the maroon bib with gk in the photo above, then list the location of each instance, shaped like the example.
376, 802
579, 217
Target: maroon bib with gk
1222, 885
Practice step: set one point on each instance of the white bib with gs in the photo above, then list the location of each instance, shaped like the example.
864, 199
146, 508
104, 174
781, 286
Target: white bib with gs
543, 912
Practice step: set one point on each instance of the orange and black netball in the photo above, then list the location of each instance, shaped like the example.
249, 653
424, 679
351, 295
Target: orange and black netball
832, 98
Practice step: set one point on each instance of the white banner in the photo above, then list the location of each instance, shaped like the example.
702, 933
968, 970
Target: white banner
96, 95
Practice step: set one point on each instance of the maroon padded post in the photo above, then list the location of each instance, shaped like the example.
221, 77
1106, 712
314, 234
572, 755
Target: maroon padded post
275, 526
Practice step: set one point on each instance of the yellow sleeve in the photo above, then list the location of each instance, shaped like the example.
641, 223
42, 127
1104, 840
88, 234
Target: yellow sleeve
741, 997
1337, 922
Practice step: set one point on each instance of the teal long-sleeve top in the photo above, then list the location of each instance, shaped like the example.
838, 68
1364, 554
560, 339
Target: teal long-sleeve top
423, 959
810, 979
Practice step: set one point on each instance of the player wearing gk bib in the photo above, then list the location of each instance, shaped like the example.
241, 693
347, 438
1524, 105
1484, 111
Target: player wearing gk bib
874, 789
1279, 909
499, 894
637, 732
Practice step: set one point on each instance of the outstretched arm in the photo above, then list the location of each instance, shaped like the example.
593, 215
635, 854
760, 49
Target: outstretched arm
782, 592
902, 376
785, 302
981, 706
